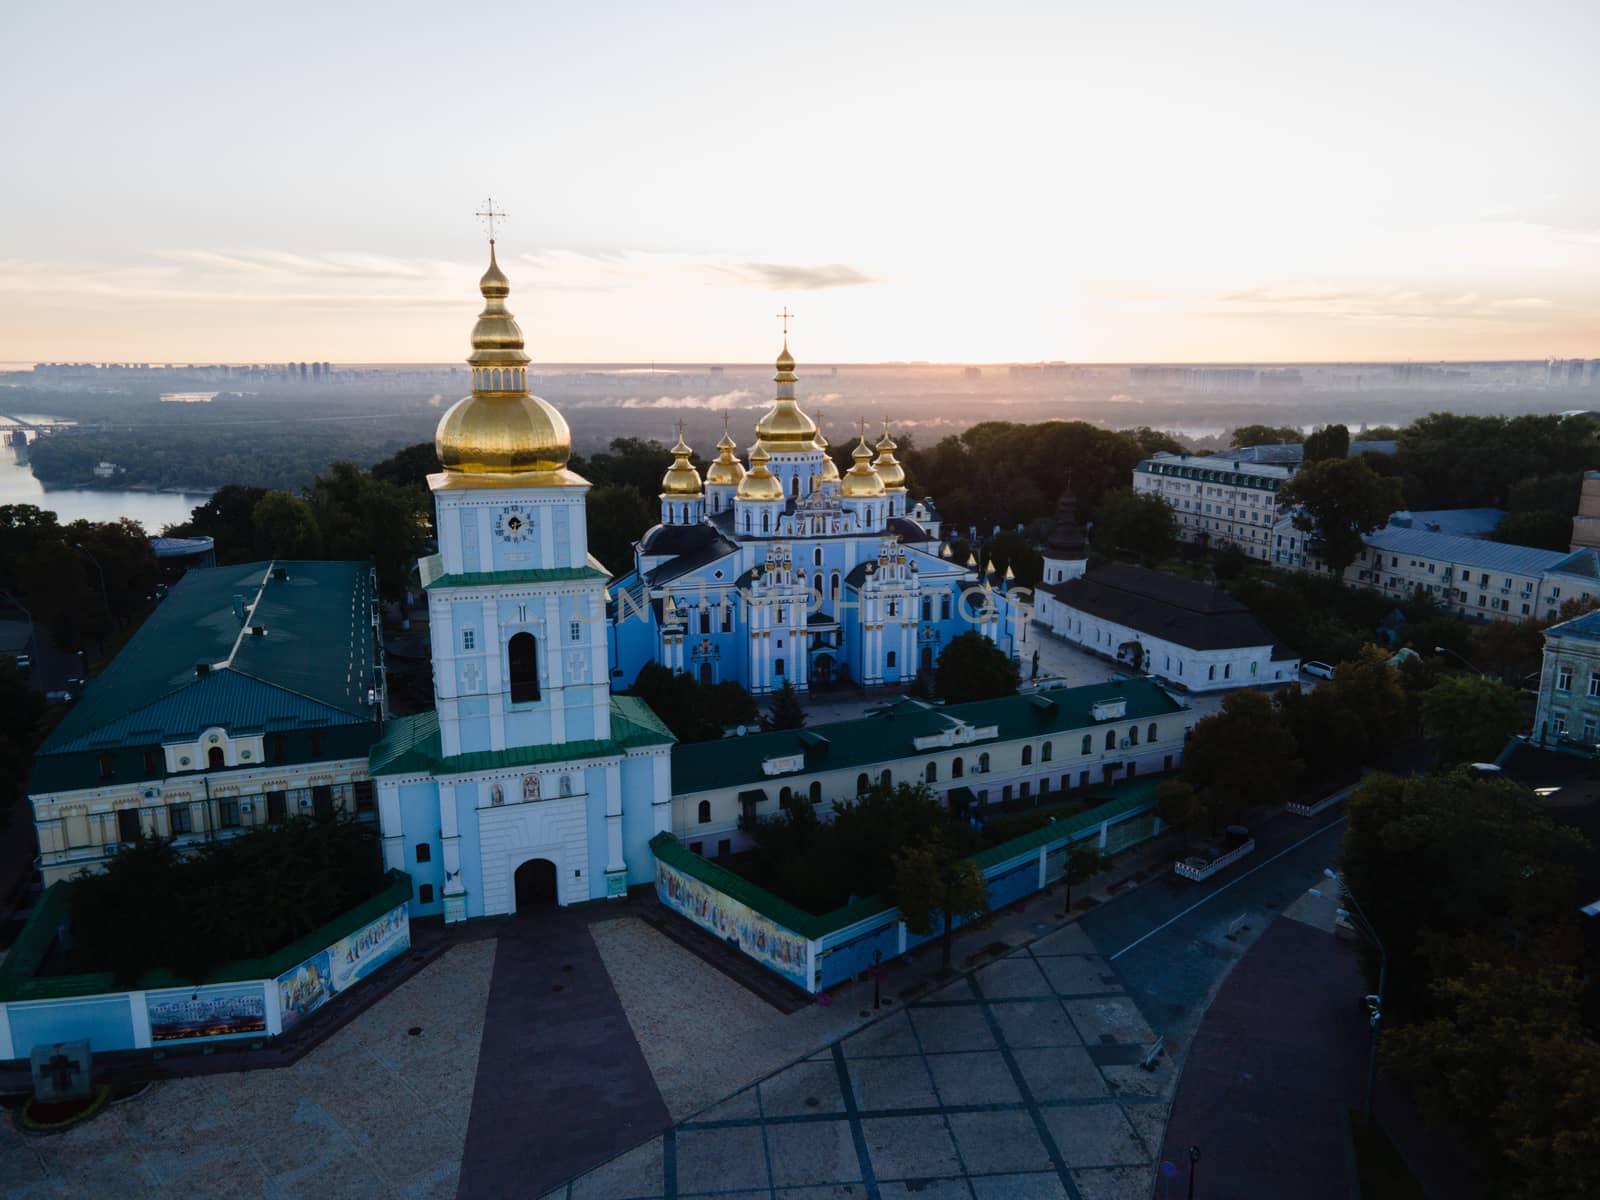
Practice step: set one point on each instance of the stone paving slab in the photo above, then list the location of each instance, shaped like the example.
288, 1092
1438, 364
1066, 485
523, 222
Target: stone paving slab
983, 1088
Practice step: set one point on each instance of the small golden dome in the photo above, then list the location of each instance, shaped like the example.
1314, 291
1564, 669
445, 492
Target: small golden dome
681, 478
785, 363
830, 469
861, 481
889, 470
727, 470
500, 429
760, 483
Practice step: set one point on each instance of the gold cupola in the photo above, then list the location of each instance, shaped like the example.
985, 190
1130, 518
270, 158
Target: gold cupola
500, 430
681, 480
830, 469
760, 483
861, 481
889, 470
785, 428
727, 470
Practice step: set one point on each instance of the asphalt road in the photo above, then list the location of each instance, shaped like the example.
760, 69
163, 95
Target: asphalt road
1170, 939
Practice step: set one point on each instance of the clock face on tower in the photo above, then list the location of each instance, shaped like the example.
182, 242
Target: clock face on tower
514, 524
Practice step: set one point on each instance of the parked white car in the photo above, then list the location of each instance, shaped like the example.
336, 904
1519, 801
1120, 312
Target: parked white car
1318, 668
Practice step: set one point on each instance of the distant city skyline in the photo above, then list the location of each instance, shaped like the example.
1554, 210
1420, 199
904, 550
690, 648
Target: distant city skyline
1159, 183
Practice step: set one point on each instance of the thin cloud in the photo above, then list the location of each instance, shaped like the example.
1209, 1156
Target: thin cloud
797, 277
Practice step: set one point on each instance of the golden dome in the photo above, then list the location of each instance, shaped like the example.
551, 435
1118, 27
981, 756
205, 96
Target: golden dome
681, 479
861, 481
785, 427
830, 469
760, 483
727, 470
890, 471
500, 429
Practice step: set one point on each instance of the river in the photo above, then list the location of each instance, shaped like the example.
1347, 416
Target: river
153, 510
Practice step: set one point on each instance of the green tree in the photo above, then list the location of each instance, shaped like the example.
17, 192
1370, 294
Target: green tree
1178, 805
408, 468
1342, 499
1369, 685
228, 518
1263, 435
1329, 734
619, 515
1544, 530
933, 885
286, 526
1136, 523
1085, 860
786, 711
1452, 869
971, 667
1330, 441
1470, 717
1239, 756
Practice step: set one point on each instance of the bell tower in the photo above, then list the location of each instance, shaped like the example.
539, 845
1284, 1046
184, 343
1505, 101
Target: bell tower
516, 603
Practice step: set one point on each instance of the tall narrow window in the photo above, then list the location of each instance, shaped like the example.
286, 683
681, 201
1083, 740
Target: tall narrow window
703, 812
863, 784
523, 653
1027, 756
469, 638
1044, 752
956, 768
215, 758
931, 775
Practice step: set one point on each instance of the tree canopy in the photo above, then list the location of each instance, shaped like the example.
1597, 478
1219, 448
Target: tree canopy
1343, 498
1241, 755
971, 667
1135, 523
1470, 717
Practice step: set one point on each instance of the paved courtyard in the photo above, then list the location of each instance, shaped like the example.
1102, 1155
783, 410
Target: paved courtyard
375, 1111
1021, 1080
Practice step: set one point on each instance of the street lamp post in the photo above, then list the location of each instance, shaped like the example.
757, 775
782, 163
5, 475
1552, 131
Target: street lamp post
1374, 1002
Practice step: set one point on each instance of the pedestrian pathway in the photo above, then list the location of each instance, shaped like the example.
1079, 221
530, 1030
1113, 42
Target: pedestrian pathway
561, 1081
1274, 1070
1021, 1079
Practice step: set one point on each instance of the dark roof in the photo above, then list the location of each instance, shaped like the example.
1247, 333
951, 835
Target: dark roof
314, 665
712, 548
677, 539
891, 731
908, 530
411, 745
1196, 615
1067, 539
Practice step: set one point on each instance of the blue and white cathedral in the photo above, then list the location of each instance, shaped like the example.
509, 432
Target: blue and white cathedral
786, 572
778, 571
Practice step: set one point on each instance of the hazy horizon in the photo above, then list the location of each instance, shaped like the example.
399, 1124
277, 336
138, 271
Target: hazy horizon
1162, 183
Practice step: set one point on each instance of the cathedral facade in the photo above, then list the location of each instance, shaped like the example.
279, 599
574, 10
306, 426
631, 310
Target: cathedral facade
783, 570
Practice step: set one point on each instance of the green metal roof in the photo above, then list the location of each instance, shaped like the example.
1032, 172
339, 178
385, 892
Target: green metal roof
892, 731
412, 745
314, 665
434, 576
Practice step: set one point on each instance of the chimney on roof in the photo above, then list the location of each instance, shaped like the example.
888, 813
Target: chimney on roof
258, 631
280, 574
202, 669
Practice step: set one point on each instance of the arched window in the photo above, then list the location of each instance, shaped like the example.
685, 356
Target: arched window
816, 557
1211, 672
816, 791
784, 796
523, 653
889, 659
1045, 753
794, 487
766, 521
703, 815
1086, 745
748, 528
215, 757
887, 778
983, 763
931, 775
1150, 734
863, 784
1133, 735
833, 586
957, 768
1027, 756
777, 666
1111, 739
